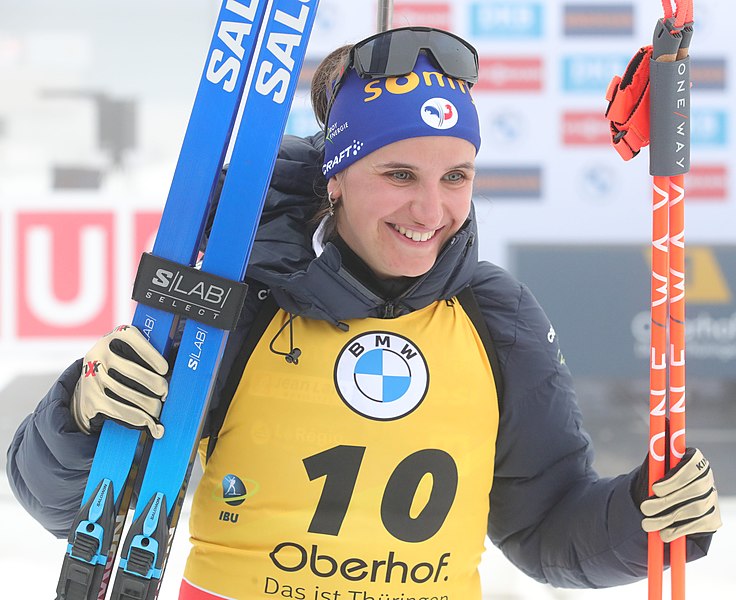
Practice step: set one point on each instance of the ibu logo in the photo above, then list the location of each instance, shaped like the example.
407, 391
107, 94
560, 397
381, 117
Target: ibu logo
233, 493
439, 113
233, 490
381, 375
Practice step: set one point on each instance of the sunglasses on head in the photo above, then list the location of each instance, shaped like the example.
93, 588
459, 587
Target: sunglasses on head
394, 53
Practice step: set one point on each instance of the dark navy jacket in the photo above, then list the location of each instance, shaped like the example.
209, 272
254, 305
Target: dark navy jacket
550, 513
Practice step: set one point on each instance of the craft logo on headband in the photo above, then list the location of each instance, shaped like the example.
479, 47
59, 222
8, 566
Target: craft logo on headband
369, 114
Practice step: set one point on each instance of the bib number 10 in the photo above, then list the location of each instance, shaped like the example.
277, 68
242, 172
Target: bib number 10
340, 466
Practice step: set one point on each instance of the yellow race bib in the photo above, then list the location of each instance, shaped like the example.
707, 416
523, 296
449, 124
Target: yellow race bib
362, 473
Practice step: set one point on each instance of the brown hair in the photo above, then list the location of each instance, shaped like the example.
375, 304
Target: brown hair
323, 79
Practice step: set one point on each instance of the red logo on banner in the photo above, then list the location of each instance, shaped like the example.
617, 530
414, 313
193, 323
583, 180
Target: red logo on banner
584, 128
424, 14
707, 182
510, 74
65, 274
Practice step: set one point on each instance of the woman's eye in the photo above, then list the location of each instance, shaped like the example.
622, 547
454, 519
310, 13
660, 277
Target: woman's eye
400, 175
455, 177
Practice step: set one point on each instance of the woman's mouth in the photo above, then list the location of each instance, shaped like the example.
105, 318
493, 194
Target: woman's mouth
416, 236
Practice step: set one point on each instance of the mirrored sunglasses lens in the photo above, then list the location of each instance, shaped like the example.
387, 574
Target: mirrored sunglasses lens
458, 65
455, 58
387, 56
395, 53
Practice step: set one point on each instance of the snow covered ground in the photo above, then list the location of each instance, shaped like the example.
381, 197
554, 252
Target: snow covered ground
30, 559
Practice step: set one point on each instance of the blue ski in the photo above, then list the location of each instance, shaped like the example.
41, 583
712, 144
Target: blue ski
273, 82
94, 536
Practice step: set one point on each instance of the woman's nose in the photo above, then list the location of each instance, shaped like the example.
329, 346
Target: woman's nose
426, 207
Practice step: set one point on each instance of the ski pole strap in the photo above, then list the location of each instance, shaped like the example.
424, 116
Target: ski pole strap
682, 13
628, 106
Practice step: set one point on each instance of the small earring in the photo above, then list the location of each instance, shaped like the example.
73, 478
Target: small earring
332, 204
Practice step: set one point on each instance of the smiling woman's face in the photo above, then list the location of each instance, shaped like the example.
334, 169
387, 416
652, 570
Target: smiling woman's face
398, 206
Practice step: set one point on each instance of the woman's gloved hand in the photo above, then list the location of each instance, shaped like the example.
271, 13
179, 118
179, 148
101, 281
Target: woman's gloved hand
685, 500
122, 379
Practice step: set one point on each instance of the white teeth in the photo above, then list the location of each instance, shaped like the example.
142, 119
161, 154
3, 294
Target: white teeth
415, 235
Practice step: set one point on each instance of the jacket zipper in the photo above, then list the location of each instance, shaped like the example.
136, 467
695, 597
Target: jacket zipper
389, 308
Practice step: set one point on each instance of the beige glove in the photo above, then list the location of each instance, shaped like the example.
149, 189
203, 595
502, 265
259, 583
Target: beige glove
122, 379
685, 500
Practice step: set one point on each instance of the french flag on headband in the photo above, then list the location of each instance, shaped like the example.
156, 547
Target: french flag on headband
371, 113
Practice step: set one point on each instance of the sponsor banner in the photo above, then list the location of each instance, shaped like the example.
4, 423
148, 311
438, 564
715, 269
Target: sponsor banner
591, 73
507, 74
598, 298
707, 182
585, 128
425, 14
708, 74
65, 274
508, 182
507, 20
598, 20
709, 127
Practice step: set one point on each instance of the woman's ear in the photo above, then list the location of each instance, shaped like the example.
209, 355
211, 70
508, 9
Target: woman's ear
334, 187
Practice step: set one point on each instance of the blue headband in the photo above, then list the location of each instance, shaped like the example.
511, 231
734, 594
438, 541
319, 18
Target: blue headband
369, 114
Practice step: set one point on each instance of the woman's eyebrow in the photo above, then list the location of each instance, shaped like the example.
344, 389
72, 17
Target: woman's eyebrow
401, 165
396, 165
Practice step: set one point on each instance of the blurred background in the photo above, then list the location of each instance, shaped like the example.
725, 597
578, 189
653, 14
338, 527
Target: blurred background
94, 101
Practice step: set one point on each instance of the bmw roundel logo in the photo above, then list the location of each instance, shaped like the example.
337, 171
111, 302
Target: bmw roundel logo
381, 375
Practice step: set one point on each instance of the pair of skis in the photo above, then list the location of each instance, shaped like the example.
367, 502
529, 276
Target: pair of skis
669, 161
258, 46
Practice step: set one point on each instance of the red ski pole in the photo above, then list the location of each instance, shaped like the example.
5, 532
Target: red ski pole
669, 161
678, 446
651, 104
658, 367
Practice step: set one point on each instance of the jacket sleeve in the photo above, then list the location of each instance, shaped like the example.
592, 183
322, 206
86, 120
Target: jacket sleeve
550, 512
49, 458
